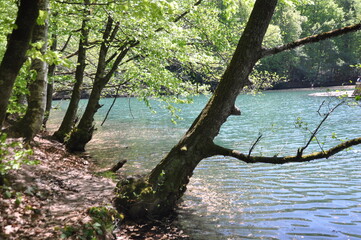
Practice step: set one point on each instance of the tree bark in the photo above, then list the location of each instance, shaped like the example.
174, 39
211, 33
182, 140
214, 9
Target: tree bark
50, 87
83, 133
14, 56
69, 119
155, 195
31, 123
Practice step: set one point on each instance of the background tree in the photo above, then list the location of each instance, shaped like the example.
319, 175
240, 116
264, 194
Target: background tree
70, 115
319, 64
17, 46
32, 122
142, 55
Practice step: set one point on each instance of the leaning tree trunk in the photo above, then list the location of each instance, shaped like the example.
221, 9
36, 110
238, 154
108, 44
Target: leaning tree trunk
83, 133
156, 195
31, 123
69, 118
15, 52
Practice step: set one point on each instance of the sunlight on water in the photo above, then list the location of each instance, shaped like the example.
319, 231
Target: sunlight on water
228, 199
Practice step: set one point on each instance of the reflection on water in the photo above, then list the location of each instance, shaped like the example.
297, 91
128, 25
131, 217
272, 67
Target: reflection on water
228, 199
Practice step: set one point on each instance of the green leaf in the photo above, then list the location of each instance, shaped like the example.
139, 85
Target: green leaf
43, 15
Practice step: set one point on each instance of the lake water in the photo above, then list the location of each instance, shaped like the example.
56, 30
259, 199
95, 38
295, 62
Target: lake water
228, 199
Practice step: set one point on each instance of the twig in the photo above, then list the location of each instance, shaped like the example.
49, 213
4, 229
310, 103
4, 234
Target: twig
130, 109
254, 144
319, 109
300, 150
111, 106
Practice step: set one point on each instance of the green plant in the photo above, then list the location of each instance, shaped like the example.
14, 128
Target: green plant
102, 223
13, 155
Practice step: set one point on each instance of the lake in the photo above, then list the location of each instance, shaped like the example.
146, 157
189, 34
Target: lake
229, 199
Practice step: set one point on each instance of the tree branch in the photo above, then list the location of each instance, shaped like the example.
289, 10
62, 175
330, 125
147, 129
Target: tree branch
300, 150
311, 39
92, 4
178, 18
254, 145
122, 53
66, 44
218, 150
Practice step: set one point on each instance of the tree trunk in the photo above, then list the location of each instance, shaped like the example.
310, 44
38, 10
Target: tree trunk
50, 87
31, 123
14, 56
155, 195
83, 133
69, 119
167, 182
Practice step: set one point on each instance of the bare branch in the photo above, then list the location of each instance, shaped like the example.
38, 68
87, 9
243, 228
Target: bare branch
122, 53
186, 12
218, 150
66, 44
115, 98
319, 108
111, 106
300, 150
254, 144
311, 39
91, 4
178, 18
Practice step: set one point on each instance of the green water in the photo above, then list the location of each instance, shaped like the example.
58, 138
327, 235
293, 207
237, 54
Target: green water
228, 199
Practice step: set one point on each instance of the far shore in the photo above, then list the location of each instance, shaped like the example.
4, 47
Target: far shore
331, 91
332, 88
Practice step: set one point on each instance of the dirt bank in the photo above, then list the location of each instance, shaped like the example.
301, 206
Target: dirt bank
41, 201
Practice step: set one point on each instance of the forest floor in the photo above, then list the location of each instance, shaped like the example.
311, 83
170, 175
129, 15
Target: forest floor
51, 200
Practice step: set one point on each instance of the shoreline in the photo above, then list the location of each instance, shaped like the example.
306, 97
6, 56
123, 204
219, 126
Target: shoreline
66, 95
53, 200
334, 88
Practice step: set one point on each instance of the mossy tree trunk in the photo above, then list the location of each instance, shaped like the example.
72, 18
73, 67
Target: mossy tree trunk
31, 123
169, 178
14, 56
155, 195
70, 115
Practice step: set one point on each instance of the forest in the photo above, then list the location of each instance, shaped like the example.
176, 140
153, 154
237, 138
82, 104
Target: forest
168, 51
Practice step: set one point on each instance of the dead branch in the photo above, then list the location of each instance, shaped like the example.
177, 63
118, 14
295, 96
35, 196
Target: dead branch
117, 166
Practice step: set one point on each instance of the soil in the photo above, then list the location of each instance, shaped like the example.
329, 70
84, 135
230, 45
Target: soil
57, 193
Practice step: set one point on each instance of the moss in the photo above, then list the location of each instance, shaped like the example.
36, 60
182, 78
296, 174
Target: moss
106, 174
139, 201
